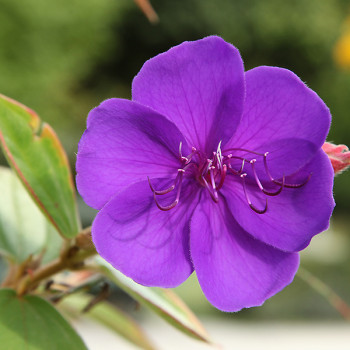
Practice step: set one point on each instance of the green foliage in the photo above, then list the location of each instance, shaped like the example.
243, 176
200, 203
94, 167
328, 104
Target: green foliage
35, 153
47, 47
298, 35
164, 302
110, 316
32, 323
24, 230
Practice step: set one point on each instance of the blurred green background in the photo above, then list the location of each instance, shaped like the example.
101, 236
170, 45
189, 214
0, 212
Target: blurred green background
62, 58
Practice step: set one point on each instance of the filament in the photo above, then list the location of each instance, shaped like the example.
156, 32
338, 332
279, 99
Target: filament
258, 211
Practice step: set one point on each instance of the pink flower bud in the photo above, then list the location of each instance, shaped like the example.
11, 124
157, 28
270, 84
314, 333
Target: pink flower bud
339, 156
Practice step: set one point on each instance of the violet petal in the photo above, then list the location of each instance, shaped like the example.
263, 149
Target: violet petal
235, 270
199, 86
124, 143
281, 116
143, 242
295, 215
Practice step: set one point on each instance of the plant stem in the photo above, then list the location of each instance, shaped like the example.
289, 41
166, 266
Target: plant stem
71, 258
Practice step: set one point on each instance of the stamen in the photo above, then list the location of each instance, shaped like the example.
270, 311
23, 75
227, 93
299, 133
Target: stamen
180, 153
163, 191
212, 177
213, 193
167, 190
190, 156
258, 211
176, 201
243, 150
187, 159
206, 168
223, 175
269, 193
219, 156
230, 156
171, 206
211, 174
279, 182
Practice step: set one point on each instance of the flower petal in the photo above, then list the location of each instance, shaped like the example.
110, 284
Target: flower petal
199, 86
295, 215
281, 116
143, 242
235, 270
124, 143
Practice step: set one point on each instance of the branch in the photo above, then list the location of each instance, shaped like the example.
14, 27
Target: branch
71, 258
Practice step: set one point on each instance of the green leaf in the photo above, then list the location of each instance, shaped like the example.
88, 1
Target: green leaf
110, 316
162, 301
3, 269
35, 153
24, 230
31, 323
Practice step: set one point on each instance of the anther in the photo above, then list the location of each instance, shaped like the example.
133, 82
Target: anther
184, 159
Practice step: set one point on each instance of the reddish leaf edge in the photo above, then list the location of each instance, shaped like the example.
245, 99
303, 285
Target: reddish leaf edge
40, 129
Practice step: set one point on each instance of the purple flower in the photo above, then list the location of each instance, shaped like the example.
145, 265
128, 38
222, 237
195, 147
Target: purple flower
208, 168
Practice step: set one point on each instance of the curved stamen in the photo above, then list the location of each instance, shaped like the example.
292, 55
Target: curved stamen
182, 158
279, 182
169, 189
243, 150
211, 174
258, 211
268, 193
189, 157
239, 172
171, 206
176, 201
162, 191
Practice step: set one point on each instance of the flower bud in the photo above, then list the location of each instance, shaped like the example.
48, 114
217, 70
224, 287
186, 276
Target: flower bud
339, 156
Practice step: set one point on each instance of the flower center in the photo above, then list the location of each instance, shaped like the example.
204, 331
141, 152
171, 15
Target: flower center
211, 173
